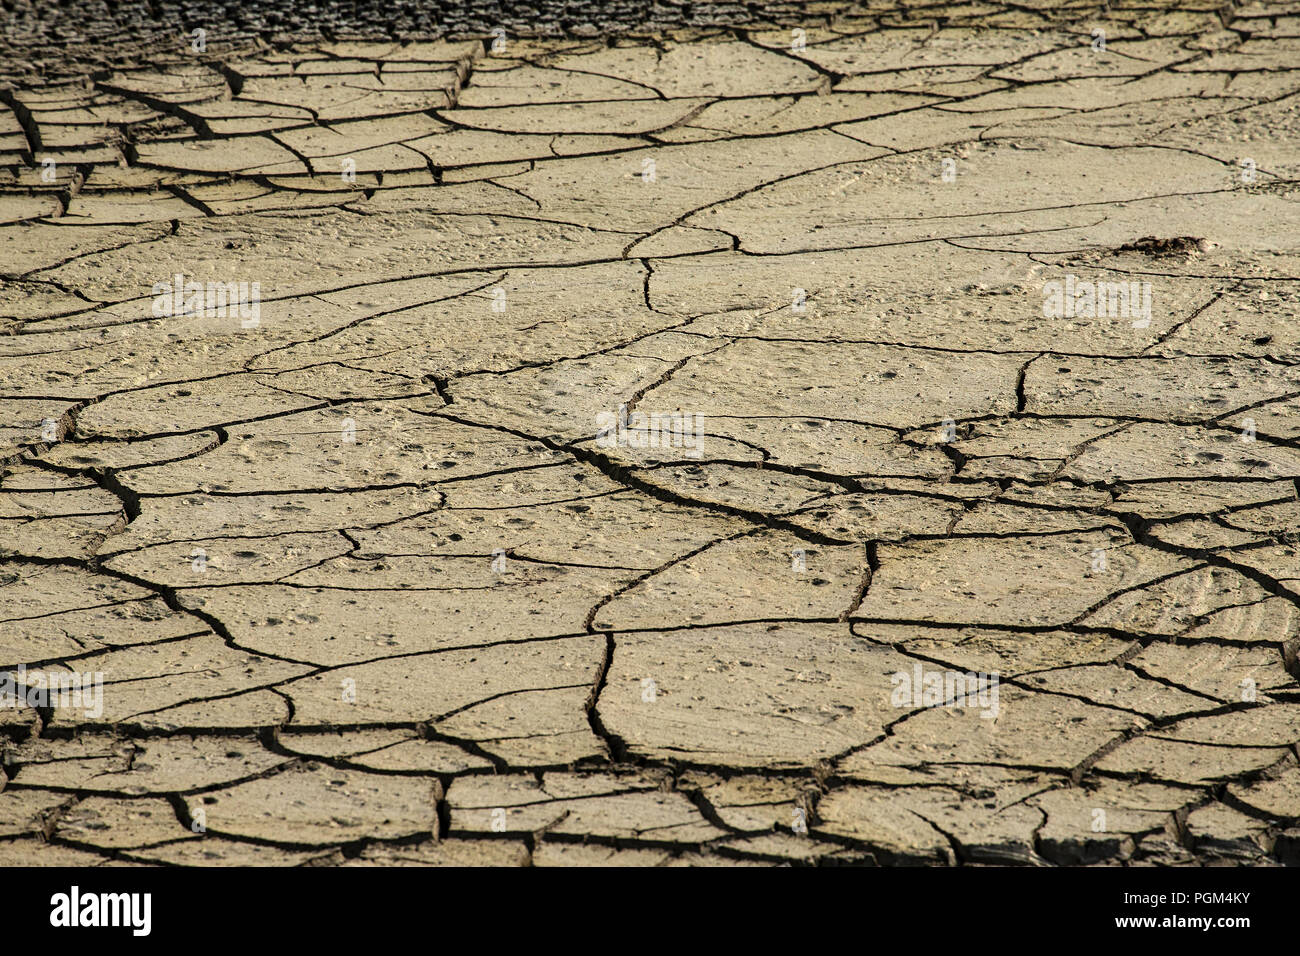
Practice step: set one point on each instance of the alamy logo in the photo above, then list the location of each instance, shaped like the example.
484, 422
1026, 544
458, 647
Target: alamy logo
38, 689
220, 300
73, 909
656, 430
1097, 300
946, 689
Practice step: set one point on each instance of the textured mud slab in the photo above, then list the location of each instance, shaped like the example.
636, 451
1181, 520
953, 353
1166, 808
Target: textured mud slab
374, 571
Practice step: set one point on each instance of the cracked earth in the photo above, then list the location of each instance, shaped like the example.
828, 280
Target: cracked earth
366, 582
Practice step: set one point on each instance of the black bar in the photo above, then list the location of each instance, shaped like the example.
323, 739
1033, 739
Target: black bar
336, 904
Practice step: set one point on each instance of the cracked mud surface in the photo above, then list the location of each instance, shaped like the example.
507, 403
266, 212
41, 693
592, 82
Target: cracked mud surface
366, 586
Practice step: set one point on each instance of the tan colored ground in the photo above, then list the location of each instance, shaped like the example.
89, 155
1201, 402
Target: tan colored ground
365, 586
